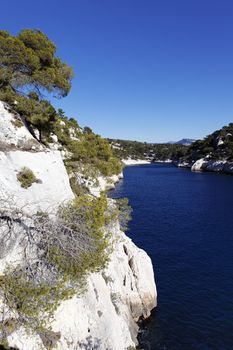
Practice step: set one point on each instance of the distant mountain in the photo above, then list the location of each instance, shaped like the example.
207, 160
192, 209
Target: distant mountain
184, 142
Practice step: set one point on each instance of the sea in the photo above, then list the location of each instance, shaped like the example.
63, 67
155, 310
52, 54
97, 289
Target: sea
184, 221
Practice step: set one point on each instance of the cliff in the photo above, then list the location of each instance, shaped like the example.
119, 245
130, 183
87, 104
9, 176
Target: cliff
213, 153
104, 316
205, 164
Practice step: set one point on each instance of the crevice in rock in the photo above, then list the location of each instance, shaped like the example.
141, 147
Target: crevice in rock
125, 249
124, 281
131, 263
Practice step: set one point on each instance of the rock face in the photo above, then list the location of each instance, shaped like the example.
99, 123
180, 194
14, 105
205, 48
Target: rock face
104, 318
52, 188
106, 315
219, 166
13, 132
197, 166
104, 184
211, 165
183, 164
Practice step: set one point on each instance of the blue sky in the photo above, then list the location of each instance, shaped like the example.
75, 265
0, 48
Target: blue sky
150, 70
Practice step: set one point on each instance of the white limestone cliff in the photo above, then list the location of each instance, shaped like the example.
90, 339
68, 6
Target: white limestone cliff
197, 166
183, 164
205, 164
106, 315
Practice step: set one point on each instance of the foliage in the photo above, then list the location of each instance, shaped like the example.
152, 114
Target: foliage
63, 251
77, 189
29, 68
66, 129
217, 146
29, 71
17, 123
26, 177
31, 299
95, 151
28, 61
123, 212
143, 150
49, 338
85, 218
90, 154
63, 248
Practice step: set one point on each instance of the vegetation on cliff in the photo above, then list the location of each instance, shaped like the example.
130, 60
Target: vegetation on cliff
143, 150
26, 177
29, 72
29, 68
60, 252
61, 248
217, 146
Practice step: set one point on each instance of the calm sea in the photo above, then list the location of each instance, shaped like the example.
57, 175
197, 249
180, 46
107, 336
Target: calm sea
184, 221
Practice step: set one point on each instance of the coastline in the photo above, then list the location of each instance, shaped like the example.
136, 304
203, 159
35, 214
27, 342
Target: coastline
129, 161
203, 164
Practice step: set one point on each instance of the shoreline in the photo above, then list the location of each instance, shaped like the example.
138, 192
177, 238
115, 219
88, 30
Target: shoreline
129, 161
205, 165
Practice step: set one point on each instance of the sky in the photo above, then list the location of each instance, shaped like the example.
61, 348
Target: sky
147, 70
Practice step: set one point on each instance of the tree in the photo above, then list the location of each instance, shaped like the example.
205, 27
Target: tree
28, 62
30, 69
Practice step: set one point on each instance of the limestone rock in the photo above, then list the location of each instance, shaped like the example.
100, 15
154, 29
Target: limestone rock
106, 315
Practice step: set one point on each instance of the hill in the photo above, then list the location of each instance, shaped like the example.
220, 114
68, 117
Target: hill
213, 153
149, 151
216, 146
185, 142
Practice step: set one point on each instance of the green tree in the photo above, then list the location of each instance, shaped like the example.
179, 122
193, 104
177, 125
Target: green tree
30, 69
29, 62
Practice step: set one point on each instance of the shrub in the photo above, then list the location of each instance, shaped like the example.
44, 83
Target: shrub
26, 177
93, 152
77, 189
83, 249
67, 248
17, 123
34, 301
124, 211
49, 338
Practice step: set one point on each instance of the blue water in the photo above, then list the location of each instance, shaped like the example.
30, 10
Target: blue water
184, 221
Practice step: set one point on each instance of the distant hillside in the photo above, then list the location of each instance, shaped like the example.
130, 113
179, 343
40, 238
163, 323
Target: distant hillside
185, 142
150, 151
216, 146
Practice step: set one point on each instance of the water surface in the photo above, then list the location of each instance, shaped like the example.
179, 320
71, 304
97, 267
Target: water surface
184, 221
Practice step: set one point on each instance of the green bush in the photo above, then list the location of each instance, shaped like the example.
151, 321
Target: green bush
34, 301
26, 177
93, 150
124, 211
84, 218
77, 189
17, 123
70, 246
29, 68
